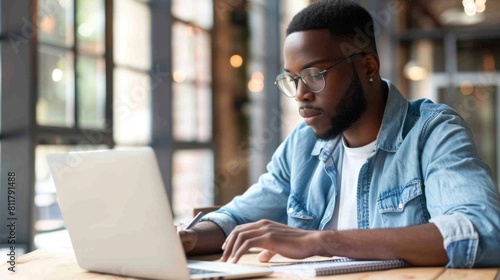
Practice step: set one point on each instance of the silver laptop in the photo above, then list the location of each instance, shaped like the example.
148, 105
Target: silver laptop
119, 219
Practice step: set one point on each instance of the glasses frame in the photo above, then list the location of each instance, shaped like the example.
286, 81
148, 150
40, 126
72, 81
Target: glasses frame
321, 72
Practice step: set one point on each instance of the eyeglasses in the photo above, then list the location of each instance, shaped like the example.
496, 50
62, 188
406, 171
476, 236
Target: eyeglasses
313, 79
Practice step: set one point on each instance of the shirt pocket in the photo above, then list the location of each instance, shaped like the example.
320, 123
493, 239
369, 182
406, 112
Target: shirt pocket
298, 215
403, 205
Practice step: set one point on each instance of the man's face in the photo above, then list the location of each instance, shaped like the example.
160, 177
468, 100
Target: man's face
342, 102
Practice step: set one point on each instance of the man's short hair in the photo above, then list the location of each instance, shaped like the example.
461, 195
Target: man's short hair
343, 18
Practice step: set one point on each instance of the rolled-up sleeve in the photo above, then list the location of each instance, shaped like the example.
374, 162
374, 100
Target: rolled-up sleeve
460, 239
224, 221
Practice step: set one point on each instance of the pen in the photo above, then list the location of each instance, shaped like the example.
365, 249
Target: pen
194, 220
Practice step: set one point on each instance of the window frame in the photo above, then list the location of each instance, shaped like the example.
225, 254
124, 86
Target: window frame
184, 145
75, 134
56, 135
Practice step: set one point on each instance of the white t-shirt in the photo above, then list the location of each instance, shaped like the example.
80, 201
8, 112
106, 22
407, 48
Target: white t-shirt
346, 217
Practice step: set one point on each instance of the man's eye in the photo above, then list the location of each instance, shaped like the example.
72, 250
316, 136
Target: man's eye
313, 76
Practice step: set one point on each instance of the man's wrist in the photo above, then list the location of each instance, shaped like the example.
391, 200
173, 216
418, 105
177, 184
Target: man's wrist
326, 243
209, 238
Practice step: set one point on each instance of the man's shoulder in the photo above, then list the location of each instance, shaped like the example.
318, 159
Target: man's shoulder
424, 115
428, 118
427, 108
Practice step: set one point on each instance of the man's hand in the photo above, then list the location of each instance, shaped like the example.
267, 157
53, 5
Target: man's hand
189, 239
275, 238
420, 245
204, 238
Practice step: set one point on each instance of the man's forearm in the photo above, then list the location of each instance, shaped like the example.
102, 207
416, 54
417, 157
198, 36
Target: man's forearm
419, 245
210, 238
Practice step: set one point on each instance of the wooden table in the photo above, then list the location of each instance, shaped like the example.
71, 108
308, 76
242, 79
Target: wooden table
61, 264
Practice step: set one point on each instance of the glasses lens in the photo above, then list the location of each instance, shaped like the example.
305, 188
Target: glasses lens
313, 79
286, 84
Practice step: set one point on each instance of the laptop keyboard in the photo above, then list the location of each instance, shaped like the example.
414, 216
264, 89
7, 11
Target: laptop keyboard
195, 271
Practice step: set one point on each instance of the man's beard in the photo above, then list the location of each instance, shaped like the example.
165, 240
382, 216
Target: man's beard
349, 109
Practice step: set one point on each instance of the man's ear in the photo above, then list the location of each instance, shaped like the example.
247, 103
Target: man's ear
371, 65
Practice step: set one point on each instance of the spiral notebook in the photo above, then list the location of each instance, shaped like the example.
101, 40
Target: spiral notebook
337, 266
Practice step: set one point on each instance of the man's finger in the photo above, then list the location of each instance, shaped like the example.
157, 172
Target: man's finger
265, 255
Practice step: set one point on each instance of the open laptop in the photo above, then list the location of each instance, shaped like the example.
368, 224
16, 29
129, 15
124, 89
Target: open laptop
119, 219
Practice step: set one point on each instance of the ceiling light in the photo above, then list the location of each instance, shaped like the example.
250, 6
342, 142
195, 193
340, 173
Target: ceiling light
480, 7
471, 7
57, 75
414, 72
456, 16
236, 60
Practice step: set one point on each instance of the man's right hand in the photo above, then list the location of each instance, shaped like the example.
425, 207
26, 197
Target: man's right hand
189, 238
204, 238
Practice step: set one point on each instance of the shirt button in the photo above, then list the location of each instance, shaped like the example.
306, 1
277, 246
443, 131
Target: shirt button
400, 206
290, 210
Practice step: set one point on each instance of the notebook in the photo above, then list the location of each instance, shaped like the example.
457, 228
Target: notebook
336, 266
119, 219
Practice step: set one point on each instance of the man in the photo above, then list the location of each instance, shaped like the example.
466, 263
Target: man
368, 174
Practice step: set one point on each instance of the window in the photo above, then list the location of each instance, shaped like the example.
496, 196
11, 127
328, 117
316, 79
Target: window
71, 93
192, 83
449, 53
71, 64
132, 81
193, 156
291, 117
95, 92
478, 55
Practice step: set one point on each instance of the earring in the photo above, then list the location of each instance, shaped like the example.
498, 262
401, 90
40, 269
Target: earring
371, 80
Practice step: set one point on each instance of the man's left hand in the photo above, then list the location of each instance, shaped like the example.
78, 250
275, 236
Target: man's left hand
274, 238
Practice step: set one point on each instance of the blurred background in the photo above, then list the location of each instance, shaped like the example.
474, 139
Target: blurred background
194, 79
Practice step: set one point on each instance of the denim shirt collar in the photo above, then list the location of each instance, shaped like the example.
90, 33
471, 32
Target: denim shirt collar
324, 148
391, 130
390, 136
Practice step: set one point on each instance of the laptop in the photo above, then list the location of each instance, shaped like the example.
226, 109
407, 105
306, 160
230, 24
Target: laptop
119, 219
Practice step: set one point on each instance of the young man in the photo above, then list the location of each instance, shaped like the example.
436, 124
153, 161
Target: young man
368, 174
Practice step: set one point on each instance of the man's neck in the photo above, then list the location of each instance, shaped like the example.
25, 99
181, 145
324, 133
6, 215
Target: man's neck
366, 129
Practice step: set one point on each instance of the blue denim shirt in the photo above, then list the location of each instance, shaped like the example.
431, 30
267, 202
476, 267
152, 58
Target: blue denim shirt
425, 169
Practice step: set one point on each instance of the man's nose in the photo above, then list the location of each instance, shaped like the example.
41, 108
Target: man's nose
303, 93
